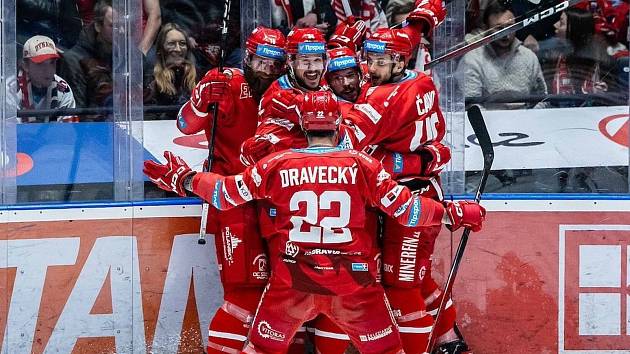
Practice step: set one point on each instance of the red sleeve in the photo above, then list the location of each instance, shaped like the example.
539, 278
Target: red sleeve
397, 164
398, 202
414, 31
226, 192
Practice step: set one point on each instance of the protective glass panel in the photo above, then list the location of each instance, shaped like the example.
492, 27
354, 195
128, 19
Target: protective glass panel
187, 45
65, 101
554, 95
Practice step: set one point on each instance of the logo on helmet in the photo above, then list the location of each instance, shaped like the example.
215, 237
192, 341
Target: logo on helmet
268, 51
311, 48
374, 46
341, 63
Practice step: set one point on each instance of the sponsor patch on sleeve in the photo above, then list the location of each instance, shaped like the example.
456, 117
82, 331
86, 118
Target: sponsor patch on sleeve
369, 111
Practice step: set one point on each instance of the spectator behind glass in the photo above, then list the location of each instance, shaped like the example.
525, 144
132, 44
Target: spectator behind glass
38, 85
398, 10
285, 14
174, 73
504, 68
56, 19
88, 65
151, 20
370, 11
585, 65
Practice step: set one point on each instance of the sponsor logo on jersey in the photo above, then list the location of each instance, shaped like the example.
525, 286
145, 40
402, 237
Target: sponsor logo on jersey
359, 267
243, 191
256, 177
272, 211
398, 162
265, 331
408, 252
379, 265
414, 217
422, 272
260, 263
216, 196
230, 242
425, 103
374, 46
318, 175
268, 51
388, 268
291, 249
311, 48
180, 120
376, 335
369, 111
317, 251
358, 133
245, 91
342, 63
388, 199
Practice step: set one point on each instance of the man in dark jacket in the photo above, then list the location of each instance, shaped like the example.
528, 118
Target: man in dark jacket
88, 65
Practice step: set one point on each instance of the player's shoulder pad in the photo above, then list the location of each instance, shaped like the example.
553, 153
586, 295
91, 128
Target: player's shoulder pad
267, 162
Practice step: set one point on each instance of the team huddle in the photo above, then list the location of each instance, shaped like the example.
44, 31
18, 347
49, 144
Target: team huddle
326, 192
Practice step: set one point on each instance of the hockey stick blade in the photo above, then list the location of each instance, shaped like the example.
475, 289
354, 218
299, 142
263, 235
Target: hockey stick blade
527, 20
481, 132
483, 138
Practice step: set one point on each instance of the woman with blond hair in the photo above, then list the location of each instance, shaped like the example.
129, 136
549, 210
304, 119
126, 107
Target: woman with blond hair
174, 73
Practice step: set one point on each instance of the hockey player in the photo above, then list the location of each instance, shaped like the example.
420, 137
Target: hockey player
306, 50
240, 252
320, 254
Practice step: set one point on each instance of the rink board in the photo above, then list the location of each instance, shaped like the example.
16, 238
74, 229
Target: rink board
544, 276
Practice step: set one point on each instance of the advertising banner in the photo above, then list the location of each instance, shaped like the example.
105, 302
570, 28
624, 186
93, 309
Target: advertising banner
110, 280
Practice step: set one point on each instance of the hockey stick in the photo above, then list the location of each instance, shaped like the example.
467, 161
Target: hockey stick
215, 111
481, 132
531, 18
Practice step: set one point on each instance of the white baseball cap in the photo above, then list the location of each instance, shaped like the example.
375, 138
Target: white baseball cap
39, 49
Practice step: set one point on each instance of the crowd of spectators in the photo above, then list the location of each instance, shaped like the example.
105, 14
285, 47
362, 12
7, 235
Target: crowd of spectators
580, 51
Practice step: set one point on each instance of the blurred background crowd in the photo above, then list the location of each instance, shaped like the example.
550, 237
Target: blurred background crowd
65, 50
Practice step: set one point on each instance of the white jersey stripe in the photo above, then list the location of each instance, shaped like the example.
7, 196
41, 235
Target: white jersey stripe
225, 335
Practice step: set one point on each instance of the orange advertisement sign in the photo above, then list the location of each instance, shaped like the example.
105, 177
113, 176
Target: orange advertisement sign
136, 285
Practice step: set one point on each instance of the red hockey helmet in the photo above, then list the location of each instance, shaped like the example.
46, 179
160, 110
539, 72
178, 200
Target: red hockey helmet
319, 111
305, 41
389, 41
348, 35
267, 43
341, 58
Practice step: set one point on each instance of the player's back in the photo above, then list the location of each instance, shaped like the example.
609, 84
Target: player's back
318, 241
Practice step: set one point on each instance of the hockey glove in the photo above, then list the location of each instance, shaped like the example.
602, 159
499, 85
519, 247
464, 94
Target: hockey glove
431, 12
465, 213
434, 157
283, 105
213, 88
348, 34
255, 148
170, 176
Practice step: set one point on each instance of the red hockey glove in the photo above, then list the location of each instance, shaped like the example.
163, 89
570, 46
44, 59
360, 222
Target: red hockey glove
348, 34
283, 105
256, 148
431, 12
170, 176
434, 157
213, 88
465, 213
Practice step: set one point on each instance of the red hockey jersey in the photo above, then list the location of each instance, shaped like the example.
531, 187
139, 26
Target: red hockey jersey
400, 116
317, 200
233, 126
